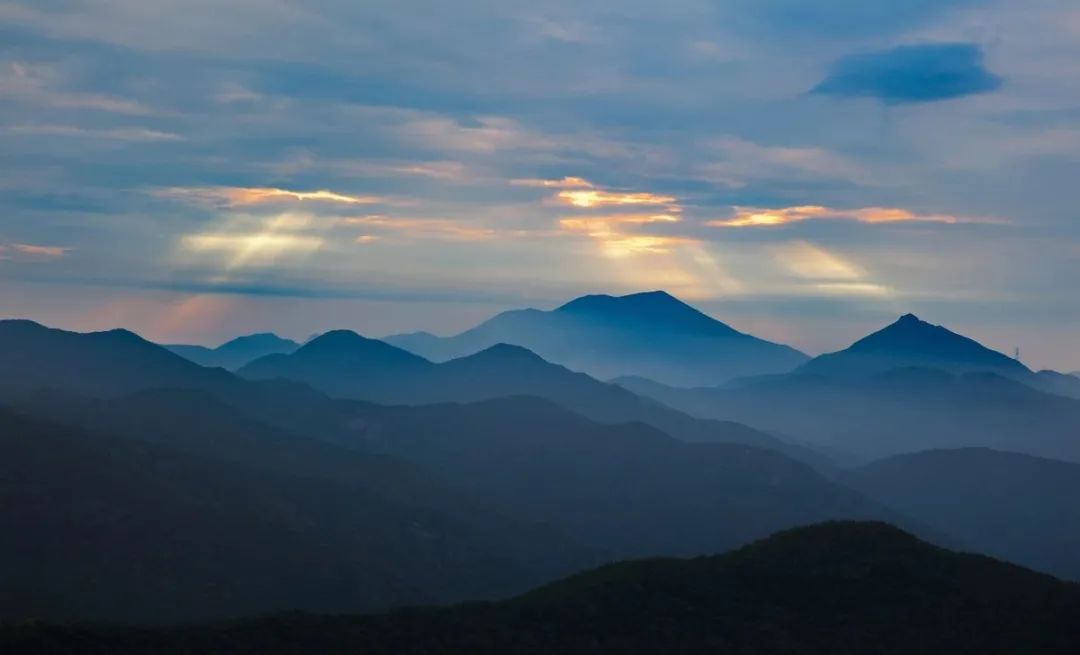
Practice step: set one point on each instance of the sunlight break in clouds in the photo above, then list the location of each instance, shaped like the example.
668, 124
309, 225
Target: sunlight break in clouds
277, 237
763, 217
421, 228
241, 196
588, 199
564, 183
615, 243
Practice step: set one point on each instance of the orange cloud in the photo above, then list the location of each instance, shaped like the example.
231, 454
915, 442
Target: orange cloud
616, 243
763, 217
37, 251
422, 228
241, 196
564, 183
590, 198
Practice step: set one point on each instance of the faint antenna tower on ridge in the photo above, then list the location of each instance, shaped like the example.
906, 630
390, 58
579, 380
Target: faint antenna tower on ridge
1016, 353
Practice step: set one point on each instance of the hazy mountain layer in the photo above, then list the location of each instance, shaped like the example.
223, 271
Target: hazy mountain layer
900, 411
1017, 507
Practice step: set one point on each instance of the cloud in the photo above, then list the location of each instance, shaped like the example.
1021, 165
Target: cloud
742, 161
241, 196
32, 250
285, 235
825, 19
765, 217
616, 242
41, 85
912, 73
135, 134
590, 198
564, 183
422, 228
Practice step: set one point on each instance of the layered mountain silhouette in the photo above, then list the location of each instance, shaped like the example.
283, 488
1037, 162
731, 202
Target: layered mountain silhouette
347, 365
171, 506
628, 489
237, 352
649, 334
839, 588
97, 363
352, 475
1017, 507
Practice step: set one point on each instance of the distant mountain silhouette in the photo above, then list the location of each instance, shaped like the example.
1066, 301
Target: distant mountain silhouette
172, 506
97, 363
911, 342
651, 334
234, 354
837, 588
899, 411
346, 365
1017, 507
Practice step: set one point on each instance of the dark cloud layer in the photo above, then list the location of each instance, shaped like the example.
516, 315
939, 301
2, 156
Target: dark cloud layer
913, 73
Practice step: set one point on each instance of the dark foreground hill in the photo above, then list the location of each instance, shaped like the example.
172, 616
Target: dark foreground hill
837, 589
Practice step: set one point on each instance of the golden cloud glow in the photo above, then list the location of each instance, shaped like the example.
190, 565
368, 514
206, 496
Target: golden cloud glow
564, 183
591, 198
39, 251
761, 217
422, 228
616, 243
242, 196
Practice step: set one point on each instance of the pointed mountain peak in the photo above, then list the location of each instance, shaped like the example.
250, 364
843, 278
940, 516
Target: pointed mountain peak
911, 333
912, 342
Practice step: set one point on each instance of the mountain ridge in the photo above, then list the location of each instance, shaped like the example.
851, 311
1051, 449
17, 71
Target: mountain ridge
651, 333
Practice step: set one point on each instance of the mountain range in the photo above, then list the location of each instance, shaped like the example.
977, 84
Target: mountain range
347, 365
235, 353
366, 477
839, 588
649, 334
910, 386
114, 442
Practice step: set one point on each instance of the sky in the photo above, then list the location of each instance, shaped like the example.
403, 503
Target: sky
199, 169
